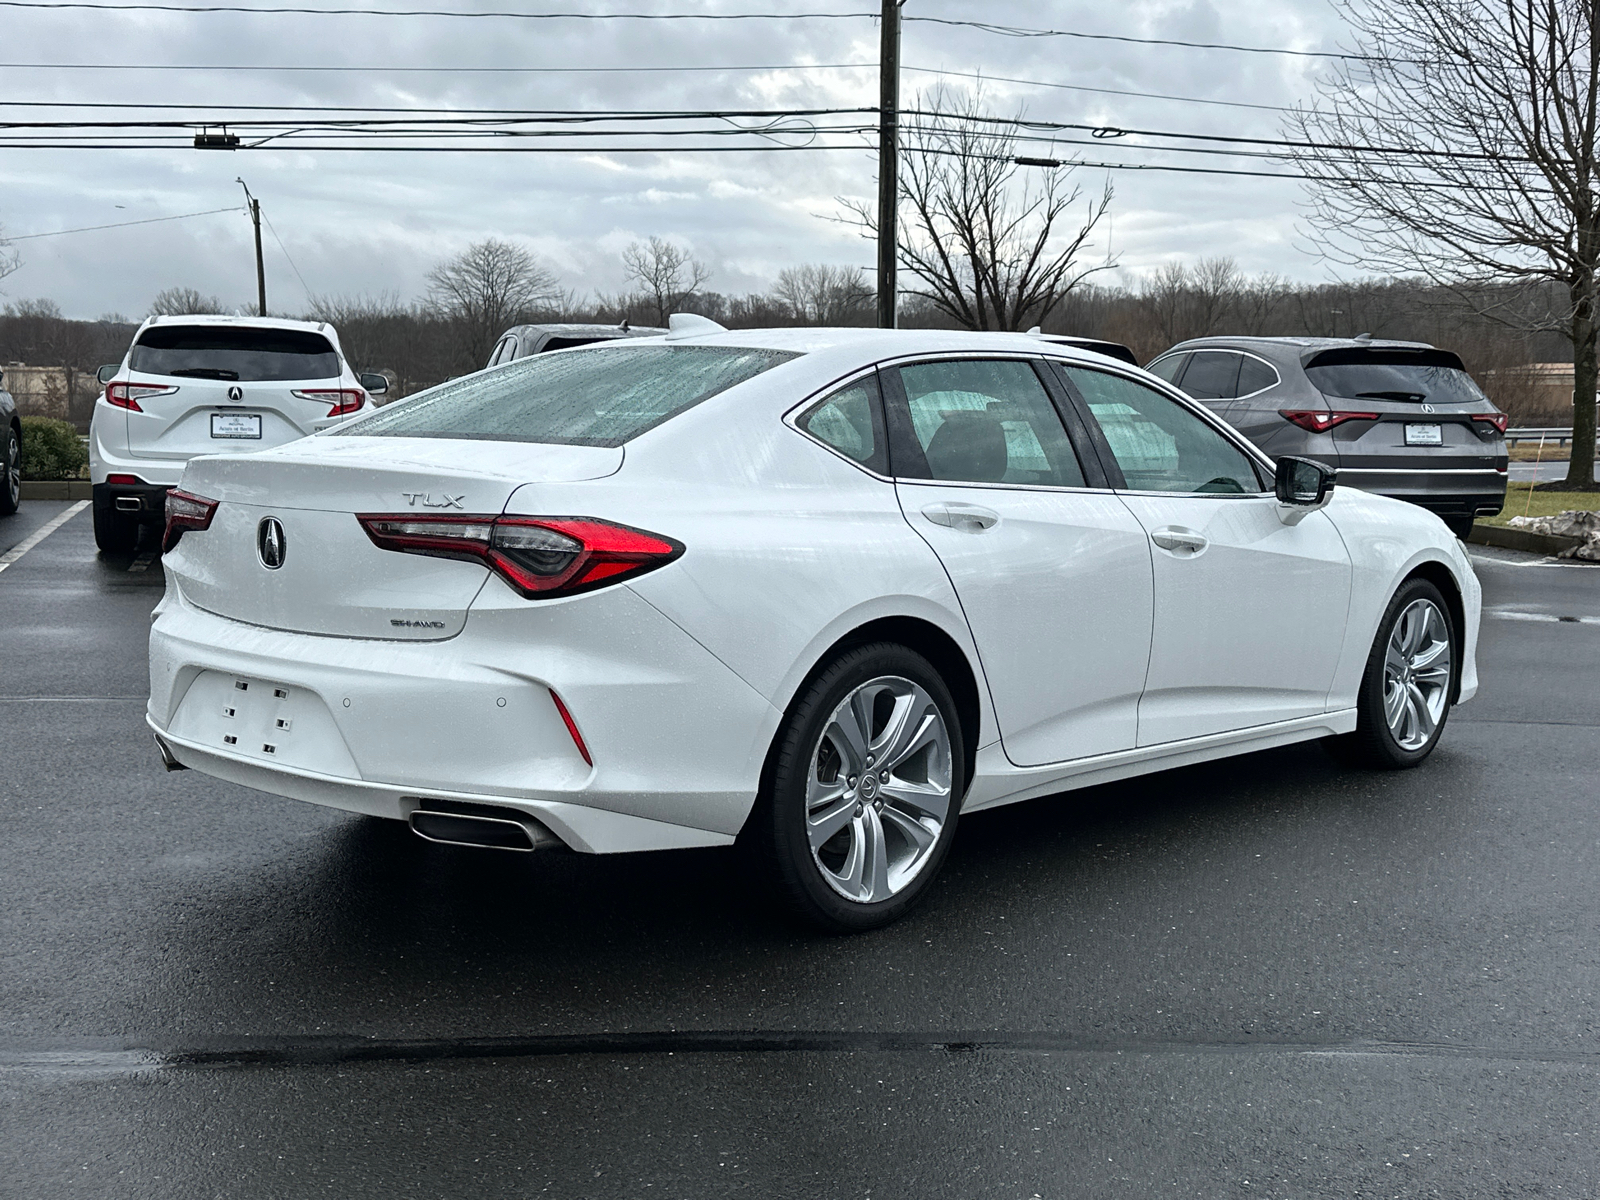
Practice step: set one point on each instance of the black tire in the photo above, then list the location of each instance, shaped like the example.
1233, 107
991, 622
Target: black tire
1460, 526
114, 532
10, 472
1374, 744
777, 831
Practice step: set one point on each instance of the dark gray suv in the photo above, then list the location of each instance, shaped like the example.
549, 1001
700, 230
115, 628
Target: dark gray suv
1402, 419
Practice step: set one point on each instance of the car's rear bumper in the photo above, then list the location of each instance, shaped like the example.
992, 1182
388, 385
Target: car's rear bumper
145, 502
1448, 492
376, 727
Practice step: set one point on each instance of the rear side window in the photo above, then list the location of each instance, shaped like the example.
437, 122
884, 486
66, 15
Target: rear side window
1168, 368
249, 355
1255, 376
987, 421
603, 398
848, 421
1212, 375
1435, 376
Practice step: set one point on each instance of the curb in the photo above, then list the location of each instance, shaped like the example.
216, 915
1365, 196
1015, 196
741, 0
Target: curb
1522, 539
57, 489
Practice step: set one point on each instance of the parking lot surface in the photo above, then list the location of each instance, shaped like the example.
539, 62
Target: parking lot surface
1269, 976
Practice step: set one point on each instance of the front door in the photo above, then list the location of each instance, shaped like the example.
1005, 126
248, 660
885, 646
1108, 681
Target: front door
1249, 611
1052, 573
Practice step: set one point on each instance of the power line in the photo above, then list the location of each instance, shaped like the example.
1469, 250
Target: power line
1076, 87
376, 68
285, 250
97, 5
23, 237
1021, 32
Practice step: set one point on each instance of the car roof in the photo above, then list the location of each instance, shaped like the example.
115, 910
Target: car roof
874, 344
1291, 349
581, 328
249, 322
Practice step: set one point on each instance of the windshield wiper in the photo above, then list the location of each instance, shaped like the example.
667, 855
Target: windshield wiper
204, 373
1413, 396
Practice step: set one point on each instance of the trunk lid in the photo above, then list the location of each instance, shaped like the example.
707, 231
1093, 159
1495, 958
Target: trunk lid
179, 424
332, 579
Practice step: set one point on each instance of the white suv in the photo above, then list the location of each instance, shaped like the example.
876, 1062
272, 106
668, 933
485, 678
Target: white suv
204, 385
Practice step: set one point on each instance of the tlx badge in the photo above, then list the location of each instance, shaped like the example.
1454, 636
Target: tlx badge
429, 500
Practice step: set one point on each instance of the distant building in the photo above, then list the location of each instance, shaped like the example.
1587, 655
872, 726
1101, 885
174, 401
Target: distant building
40, 391
1534, 394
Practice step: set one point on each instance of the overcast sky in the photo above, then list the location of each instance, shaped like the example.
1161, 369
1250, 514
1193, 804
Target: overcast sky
375, 222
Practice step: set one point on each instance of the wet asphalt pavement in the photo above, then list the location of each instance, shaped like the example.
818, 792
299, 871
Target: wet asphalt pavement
1263, 977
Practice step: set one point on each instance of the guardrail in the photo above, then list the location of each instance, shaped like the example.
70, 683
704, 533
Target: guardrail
1557, 435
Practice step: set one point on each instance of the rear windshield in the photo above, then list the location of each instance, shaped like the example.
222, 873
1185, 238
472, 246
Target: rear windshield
1415, 376
600, 397
234, 352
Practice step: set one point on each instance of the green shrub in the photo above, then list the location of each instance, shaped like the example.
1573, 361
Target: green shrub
51, 449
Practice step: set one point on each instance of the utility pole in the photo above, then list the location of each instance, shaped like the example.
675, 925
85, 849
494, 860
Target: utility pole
261, 271
888, 160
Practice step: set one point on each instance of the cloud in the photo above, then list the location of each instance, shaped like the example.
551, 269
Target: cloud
371, 222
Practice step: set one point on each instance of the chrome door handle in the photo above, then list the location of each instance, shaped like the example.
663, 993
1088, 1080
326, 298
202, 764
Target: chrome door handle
1177, 539
972, 518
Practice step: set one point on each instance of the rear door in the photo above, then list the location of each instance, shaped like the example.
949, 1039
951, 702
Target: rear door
1051, 569
1249, 612
229, 388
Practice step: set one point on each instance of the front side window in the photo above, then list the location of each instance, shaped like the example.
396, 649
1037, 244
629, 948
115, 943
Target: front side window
249, 354
987, 421
1212, 375
848, 421
602, 397
1160, 445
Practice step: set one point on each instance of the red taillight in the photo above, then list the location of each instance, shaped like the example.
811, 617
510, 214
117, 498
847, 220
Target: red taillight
1321, 422
343, 400
572, 727
128, 395
124, 480
186, 511
541, 557
1499, 420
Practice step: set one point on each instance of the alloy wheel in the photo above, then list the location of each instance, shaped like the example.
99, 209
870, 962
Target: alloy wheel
878, 789
1416, 674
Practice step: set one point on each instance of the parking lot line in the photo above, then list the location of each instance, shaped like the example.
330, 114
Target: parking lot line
17, 551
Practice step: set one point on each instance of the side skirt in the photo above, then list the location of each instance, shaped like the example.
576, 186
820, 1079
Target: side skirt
996, 781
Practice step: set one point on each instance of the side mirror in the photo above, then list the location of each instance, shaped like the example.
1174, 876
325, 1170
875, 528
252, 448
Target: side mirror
107, 373
376, 384
1303, 482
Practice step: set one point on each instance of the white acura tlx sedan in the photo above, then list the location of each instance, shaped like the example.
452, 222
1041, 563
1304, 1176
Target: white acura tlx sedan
816, 590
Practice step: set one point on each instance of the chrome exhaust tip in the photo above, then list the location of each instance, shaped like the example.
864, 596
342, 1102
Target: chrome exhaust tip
519, 832
129, 504
168, 759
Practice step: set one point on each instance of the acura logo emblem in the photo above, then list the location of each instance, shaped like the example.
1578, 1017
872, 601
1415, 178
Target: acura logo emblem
236, 393
270, 543
1427, 408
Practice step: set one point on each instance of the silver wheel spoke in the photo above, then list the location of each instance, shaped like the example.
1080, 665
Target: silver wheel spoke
822, 825
918, 800
908, 729
915, 832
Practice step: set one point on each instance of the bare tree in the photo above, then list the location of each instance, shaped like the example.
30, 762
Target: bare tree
183, 301
488, 286
47, 309
666, 274
819, 294
1461, 146
10, 257
989, 251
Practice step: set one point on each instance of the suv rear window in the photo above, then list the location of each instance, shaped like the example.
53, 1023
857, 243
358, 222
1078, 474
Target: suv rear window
602, 397
234, 352
1436, 376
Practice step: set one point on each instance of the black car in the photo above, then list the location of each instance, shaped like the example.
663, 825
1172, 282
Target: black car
10, 451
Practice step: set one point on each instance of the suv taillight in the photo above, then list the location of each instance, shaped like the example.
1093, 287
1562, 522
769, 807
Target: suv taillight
186, 511
344, 400
540, 557
1321, 422
1499, 420
128, 395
